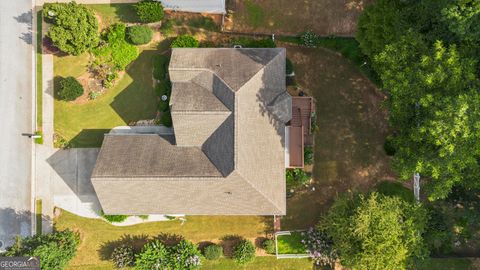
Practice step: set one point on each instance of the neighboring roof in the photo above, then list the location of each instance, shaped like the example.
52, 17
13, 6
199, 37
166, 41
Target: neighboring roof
200, 6
229, 108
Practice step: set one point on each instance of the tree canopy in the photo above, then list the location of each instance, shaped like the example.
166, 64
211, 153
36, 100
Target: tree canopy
426, 54
74, 27
55, 250
376, 232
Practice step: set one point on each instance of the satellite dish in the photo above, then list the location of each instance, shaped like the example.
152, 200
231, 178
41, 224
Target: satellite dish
164, 97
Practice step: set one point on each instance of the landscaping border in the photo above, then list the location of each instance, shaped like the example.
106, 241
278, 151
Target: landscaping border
288, 256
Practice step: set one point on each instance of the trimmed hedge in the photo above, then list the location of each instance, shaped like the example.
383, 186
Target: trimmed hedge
185, 41
269, 246
70, 89
149, 11
244, 252
139, 34
213, 252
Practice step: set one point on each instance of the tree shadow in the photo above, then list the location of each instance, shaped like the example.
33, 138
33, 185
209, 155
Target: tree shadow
138, 100
26, 18
125, 13
135, 241
259, 242
202, 245
228, 242
169, 239
15, 223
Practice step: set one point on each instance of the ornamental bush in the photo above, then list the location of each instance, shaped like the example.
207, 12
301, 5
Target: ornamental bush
139, 34
320, 247
74, 27
296, 177
185, 256
114, 218
149, 11
308, 155
154, 255
244, 252
70, 89
213, 252
123, 256
185, 41
269, 246
309, 39
55, 250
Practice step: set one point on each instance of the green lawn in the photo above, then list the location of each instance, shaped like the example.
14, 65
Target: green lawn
260, 263
113, 13
39, 79
290, 244
446, 264
98, 237
131, 99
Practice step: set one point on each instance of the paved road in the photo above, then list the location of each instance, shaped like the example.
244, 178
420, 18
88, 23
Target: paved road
16, 53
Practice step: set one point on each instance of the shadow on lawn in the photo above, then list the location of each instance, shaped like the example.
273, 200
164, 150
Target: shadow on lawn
88, 138
131, 103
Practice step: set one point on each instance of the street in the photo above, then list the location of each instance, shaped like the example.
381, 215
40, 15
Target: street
16, 52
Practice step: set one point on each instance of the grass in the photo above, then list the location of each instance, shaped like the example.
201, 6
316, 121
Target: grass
290, 244
348, 47
114, 13
97, 235
325, 17
39, 73
131, 99
255, 14
389, 188
38, 216
446, 264
39, 140
260, 263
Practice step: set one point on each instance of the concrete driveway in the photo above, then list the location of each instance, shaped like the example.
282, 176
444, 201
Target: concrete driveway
16, 52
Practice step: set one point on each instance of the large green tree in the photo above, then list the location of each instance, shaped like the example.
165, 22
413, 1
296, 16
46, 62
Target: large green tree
376, 232
55, 250
74, 27
427, 60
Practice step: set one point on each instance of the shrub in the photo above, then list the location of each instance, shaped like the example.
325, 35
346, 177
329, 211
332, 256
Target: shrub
74, 27
149, 11
167, 28
114, 218
320, 247
115, 50
308, 155
296, 177
139, 34
160, 65
213, 252
269, 246
166, 119
309, 39
244, 252
123, 256
185, 41
154, 255
93, 95
70, 89
185, 255
55, 250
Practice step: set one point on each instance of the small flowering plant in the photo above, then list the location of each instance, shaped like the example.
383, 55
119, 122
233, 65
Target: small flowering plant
309, 39
319, 246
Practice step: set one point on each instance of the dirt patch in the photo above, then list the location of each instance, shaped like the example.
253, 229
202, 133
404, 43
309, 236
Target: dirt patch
325, 17
352, 126
185, 16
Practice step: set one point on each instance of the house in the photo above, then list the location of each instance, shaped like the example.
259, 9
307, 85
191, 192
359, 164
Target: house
227, 156
198, 6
